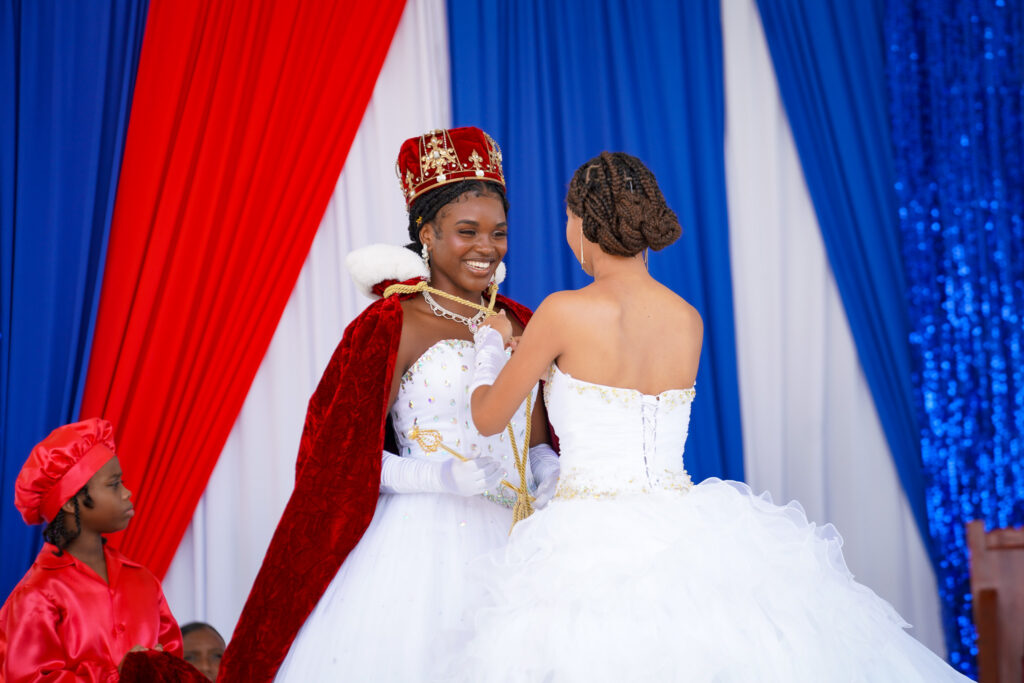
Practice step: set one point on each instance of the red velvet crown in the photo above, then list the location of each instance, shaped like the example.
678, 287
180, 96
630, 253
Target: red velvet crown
447, 156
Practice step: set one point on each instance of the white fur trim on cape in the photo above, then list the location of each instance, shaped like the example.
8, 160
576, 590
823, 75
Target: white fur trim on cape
376, 263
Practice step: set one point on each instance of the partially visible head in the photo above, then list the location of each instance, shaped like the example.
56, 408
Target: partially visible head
454, 188
621, 206
204, 647
63, 474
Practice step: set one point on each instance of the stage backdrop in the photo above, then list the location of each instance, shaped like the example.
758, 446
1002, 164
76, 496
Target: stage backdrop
809, 426
223, 292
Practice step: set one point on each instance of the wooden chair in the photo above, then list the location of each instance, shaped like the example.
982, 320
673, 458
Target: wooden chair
997, 587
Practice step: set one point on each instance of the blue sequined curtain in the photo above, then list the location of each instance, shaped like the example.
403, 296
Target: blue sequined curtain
956, 81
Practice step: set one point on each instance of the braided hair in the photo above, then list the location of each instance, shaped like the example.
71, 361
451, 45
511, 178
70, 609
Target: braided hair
621, 205
426, 207
57, 532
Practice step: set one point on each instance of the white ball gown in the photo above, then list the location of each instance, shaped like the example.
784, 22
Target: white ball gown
634, 574
404, 582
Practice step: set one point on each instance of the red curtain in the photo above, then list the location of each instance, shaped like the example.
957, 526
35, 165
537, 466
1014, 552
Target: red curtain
243, 114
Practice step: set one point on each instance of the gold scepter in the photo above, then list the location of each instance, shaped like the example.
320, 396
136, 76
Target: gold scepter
430, 441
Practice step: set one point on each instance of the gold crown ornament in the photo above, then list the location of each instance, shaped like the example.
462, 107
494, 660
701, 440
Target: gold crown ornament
447, 156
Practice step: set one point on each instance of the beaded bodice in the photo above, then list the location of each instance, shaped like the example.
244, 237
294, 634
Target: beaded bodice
434, 394
616, 441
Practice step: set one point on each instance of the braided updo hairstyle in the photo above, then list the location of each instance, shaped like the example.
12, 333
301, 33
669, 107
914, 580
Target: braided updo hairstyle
427, 205
621, 205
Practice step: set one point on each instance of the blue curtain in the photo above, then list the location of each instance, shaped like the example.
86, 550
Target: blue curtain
558, 82
67, 72
829, 59
956, 79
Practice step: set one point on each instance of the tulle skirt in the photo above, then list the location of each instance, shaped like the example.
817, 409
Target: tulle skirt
400, 588
715, 584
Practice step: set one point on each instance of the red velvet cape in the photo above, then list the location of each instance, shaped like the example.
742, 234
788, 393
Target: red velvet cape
336, 488
155, 666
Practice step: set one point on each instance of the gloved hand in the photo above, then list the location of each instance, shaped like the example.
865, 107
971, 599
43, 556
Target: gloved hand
416, 475
472, 476
490, 357
545, 466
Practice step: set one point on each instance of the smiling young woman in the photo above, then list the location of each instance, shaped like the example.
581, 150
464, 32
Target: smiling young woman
378, 535
463, 242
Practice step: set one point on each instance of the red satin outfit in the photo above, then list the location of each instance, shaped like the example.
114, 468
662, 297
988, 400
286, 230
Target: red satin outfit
62, 622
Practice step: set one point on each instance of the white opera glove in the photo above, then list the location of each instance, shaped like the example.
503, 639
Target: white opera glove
490, 357
416, 475
471, 477
546, 467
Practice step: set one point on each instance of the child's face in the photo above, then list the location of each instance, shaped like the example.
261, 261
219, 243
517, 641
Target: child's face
204, 650
112, 506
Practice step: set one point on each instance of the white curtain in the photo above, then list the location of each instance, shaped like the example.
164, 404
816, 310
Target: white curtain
221, 552
810, 429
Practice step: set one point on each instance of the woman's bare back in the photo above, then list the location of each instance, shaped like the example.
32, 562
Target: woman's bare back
630, 332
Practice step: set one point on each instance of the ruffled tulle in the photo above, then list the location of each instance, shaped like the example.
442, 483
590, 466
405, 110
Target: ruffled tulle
405, 580
716, 584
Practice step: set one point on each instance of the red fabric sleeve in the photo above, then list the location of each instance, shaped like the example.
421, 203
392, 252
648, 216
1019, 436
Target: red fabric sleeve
35, 652
170, 635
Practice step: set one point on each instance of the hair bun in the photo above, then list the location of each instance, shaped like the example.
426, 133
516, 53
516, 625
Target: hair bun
622, 207
659, 224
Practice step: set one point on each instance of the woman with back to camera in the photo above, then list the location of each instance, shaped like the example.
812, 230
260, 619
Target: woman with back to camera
632, 572
366, 569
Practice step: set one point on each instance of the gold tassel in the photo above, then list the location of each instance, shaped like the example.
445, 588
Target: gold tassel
524, 501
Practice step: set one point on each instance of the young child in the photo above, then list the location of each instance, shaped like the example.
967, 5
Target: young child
83, 605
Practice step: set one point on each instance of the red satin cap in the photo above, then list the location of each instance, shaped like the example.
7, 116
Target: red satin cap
447, 156
60, 465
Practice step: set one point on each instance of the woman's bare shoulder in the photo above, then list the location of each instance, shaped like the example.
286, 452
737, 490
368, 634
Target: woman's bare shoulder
687, 311
558, 304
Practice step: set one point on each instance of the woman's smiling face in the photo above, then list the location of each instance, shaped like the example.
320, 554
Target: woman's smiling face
467, 240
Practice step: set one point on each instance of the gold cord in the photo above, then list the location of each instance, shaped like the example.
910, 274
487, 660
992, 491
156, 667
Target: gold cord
424, 286
524, 501
430, 439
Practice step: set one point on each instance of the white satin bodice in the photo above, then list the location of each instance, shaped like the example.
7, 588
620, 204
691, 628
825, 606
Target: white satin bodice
617, 441
434, 395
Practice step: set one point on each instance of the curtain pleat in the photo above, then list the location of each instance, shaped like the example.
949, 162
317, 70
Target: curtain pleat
218, 558
558, 82
66, 74
243, 115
